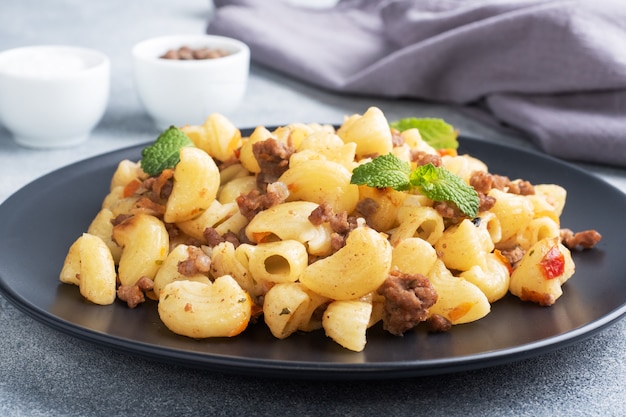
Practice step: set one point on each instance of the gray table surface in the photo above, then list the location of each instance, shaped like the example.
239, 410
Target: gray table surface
46, 373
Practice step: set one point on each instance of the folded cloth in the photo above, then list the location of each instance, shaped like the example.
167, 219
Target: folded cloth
555, 69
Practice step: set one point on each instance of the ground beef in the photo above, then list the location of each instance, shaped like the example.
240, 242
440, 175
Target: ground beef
340, 223
541, 298
164, 185
367, 208
134, 295
407, 300
513, 255
160, 187
500, 182
212, 236
451, 213
250, 204
172, 231
146, 205
254, 202
152, 194
438, 324
483, 182
198, 262
321, 214
337, 241
586, 239
396, 138
521, 187
448, 210
485, 202
236, 240
273, 159
425, 158
120, 218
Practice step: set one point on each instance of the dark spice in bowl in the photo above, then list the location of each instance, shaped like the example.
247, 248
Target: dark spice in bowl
187, 53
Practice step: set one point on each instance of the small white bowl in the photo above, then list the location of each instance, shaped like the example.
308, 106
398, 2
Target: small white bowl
186, 92
53, 96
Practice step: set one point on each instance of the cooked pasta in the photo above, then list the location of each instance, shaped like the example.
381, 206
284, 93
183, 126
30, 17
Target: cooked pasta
145, 245
200, 310
346, 322
321, 182
286, 309
358, 268
272, 224
275, 262
196, 181
290, 221
542, 271
89, 265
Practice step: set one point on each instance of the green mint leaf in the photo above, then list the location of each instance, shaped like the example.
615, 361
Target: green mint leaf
164, 153
383, 171
436, 132
439, 184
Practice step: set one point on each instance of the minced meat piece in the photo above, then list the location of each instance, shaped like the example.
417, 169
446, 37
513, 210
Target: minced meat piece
407, 300
273, 159
159, 187
212, 237
485, 202
367, 208
134, 295
120, 218
146, 205
483, 182
438, 324
513, 255
448, 210
254, 202
321, 214
586, 239
340, 223
500, 182
198, 262
424, 158
396, 138
521, 187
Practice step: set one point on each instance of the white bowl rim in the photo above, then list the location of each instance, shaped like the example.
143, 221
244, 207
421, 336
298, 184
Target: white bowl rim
97, 60
144, 50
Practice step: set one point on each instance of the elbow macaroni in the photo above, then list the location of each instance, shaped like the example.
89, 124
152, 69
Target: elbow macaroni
288, 266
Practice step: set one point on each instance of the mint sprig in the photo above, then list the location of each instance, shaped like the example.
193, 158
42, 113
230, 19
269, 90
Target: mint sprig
382, 172
436, 183
164, 153
436, 132
439, 184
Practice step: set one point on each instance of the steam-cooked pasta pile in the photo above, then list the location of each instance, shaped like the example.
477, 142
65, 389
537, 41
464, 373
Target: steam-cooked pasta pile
269, 227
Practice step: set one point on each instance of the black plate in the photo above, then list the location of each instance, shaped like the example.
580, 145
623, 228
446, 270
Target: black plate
41, 220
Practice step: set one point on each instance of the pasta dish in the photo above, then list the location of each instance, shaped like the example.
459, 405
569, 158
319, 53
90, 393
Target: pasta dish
311, 227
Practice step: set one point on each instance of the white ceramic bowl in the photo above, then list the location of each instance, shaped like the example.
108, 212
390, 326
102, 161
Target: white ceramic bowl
182, 92
53, 96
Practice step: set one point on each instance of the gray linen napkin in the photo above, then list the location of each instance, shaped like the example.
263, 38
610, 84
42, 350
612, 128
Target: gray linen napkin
555, 69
